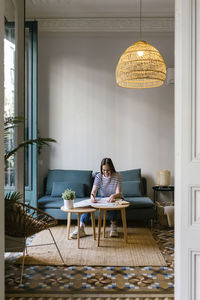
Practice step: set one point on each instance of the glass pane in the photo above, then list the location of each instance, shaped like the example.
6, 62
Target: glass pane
9, 99
28, 109
31, 112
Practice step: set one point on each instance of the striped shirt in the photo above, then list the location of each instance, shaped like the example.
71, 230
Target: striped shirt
108, 185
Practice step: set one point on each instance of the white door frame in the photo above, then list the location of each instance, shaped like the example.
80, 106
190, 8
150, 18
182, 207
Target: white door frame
187, 150
2, 151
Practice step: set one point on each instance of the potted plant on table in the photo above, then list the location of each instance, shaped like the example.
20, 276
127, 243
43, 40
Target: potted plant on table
68, 197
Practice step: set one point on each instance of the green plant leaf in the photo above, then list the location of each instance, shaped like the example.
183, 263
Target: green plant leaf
68, 194
12, 122
40, 142
11, 198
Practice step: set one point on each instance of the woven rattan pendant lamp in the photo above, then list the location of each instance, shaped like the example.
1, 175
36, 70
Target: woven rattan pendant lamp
141, 66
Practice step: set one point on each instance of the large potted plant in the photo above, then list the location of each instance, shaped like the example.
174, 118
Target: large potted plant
9, 124
13, 224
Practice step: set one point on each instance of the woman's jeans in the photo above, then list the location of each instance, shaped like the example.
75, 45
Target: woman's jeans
112, 214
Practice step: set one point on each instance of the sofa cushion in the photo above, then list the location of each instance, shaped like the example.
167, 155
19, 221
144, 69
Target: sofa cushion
59, 188
140, 202
80, 176
131, 188
131, 175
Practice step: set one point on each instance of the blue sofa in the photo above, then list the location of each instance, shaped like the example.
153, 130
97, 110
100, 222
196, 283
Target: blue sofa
133, 188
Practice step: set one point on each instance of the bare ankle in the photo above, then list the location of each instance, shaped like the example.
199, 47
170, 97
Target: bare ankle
82, 225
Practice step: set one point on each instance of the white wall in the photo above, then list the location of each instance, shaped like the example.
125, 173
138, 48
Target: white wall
81, 106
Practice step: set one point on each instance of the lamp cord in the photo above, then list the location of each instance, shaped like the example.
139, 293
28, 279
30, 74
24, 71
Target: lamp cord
140, 37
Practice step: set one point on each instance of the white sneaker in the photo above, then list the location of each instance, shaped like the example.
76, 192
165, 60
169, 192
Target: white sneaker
74, 234
113, 230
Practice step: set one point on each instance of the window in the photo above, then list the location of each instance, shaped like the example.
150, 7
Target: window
30, 128
31, 112
9, 99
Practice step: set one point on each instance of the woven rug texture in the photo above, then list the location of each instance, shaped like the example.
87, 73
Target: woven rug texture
43, 282
141, 249
95, 297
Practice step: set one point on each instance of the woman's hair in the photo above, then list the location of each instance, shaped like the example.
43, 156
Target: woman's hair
108, 161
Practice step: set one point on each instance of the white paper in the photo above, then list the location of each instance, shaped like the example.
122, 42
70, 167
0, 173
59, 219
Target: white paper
101, 201
104, 202
83, 203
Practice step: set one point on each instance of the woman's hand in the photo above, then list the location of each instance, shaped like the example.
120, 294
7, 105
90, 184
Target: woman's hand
111, 199
93, 199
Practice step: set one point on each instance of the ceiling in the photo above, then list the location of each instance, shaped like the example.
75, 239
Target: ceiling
55, 9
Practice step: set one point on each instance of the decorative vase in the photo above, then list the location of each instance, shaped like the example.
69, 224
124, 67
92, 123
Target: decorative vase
163, 178
68, 204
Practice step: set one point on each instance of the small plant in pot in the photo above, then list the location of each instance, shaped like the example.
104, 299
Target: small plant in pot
68, 197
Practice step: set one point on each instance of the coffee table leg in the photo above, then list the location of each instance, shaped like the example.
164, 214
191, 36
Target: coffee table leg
123, 214
78, 236
68, 224
99, 226
93, 225
104, 222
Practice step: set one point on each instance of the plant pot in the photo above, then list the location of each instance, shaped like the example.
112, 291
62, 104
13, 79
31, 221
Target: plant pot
68, 204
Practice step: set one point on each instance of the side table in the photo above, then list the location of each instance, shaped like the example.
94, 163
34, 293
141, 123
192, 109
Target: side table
104, 209
79, 212
158, 189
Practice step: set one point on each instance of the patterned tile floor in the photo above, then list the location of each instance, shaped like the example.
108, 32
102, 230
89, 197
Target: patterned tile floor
42, 281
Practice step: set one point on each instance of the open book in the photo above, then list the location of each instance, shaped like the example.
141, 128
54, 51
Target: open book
101, 201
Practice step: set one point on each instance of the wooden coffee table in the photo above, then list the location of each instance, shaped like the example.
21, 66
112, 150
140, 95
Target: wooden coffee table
104, 209
79, 212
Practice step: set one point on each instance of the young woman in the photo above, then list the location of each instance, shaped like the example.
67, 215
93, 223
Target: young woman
108, 181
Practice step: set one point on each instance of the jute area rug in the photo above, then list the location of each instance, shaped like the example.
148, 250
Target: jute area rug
141, 249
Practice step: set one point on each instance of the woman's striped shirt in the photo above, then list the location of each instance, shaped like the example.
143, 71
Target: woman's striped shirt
108, 185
